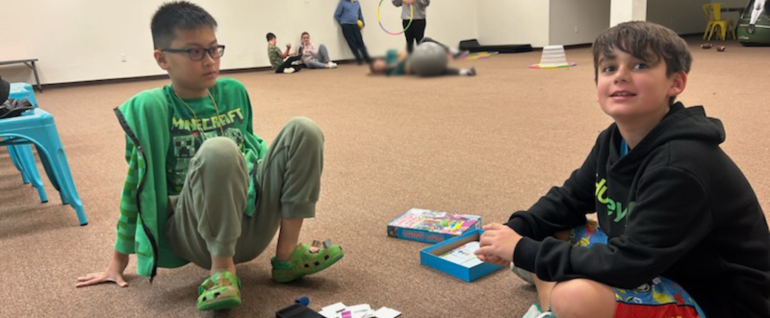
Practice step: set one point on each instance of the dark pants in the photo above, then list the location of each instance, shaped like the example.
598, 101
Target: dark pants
434, 41
414, 34
352, 35
452, 71
287, 64
208, 219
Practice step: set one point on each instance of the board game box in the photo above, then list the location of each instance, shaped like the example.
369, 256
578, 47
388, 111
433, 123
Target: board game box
456, 257
432, 226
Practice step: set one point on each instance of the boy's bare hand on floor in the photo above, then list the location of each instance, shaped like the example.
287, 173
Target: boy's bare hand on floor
100, 278
113, 273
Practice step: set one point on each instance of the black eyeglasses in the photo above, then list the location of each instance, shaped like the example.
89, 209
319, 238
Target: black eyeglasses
197, 54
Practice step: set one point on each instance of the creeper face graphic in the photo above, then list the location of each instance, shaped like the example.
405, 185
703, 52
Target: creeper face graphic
186, 142
184, 146
184, 150
235, 135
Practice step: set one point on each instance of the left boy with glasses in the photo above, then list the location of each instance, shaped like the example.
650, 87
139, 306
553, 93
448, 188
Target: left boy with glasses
201, 186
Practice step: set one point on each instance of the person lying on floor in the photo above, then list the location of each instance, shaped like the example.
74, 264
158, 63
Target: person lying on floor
430, 58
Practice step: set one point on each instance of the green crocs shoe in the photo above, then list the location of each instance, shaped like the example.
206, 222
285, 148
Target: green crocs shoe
304, 262
220, 291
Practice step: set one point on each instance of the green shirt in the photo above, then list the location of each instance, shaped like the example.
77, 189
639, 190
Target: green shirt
274, 53
185, 136
391, 59
230, 118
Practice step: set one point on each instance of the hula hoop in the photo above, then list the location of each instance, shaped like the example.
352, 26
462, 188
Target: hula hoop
405, 28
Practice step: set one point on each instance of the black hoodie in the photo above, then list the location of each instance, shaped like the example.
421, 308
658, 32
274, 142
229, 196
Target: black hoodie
675, 206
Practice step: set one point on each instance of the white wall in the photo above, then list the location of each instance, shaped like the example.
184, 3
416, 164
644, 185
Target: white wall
82, 40
513, 22
577, 22
77, 40
627, 10
682, 16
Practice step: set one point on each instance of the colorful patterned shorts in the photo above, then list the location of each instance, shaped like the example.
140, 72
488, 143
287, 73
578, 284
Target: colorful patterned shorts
660, 298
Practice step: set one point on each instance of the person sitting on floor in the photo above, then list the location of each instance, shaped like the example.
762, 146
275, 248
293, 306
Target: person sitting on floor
277, 57
314, 56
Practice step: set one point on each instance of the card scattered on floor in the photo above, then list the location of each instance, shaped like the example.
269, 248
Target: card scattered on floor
386, 312
432, 226
339, 310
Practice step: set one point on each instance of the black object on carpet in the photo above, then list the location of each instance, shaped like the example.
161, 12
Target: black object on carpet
474, 46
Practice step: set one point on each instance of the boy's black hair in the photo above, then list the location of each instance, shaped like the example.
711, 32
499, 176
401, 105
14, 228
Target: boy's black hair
645, 41
270, 36
177, 15
303, 34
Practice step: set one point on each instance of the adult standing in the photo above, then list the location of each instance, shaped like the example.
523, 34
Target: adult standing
416, 30
347, 15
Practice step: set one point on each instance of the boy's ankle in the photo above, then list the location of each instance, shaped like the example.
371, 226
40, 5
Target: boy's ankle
282, 259
217, 269
222, 264
279, 264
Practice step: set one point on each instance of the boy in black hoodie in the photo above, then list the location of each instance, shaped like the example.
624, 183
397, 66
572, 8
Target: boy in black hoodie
680, 231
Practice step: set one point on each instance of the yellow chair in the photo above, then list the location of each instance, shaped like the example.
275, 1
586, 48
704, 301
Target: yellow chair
715, 12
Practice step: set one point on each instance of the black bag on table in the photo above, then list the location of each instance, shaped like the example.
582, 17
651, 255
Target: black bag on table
11, 107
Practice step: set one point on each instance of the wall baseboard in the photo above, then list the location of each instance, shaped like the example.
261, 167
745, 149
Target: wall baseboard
584, 45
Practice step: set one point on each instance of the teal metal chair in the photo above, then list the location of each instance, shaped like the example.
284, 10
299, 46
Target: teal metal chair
37, 127
22, 156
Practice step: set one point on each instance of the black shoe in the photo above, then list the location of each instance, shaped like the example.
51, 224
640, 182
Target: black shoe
750, 29
472, 71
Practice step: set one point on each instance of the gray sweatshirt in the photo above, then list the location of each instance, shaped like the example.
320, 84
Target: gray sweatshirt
406, 11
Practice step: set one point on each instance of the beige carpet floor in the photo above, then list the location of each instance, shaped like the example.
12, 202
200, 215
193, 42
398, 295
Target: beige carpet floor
488, 145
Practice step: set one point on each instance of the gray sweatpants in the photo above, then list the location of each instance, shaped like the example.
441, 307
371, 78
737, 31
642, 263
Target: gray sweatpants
207, 218
321, 60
